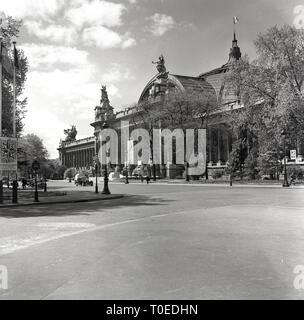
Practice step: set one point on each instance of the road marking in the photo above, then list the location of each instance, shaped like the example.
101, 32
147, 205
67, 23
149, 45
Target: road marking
11, 245
65, 225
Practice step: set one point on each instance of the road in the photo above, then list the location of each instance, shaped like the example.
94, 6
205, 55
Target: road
159, 242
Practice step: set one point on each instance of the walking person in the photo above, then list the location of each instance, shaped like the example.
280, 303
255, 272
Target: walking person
24, 184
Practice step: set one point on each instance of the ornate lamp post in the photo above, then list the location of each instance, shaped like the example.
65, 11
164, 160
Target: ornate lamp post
36, 167
96, 177
96, 166
106, 178
45, 182
187, 171
127, 173
285, 184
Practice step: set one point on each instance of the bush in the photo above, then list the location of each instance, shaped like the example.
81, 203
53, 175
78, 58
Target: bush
70, 173
296, 172
217, 174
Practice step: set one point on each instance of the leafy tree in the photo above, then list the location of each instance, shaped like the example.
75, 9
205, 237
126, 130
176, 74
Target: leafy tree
70, 174
178, 110
271, 90
11, 31
52, 169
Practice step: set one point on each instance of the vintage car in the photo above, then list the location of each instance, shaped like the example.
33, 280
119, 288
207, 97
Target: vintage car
83, 180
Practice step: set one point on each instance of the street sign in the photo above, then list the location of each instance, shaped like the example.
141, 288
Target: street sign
293, 154
8, 154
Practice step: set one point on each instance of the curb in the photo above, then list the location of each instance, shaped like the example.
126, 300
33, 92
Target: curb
60, 202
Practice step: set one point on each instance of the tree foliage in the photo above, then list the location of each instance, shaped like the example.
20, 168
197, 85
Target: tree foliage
271, 90
9, 33
31, 148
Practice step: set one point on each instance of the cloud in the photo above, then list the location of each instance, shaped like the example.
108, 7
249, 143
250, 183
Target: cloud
57, 99
53, 33
31, 8
299, 19
101, 13
160, 24
45, 56
48, 131
106, 38
116, 74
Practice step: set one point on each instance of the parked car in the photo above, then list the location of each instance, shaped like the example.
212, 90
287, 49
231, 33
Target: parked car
83, 180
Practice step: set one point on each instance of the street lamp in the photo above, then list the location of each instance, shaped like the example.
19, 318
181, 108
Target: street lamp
96, 175
187, 171
36, 167
127, 173
96, 164
106, 178
285, 184
45, 183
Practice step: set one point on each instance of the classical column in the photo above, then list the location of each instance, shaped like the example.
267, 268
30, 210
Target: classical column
86, 158
218, 146
210, 146
227, 145
75, 165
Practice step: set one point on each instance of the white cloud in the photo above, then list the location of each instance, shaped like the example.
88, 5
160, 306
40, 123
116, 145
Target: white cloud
106, 38
160, 24
31, 8
116, 74
49, 131
96, 12
47, 55
299, 19
128, 43
54, 33
57, 99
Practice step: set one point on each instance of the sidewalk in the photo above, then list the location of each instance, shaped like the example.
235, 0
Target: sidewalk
213, 183
70, 197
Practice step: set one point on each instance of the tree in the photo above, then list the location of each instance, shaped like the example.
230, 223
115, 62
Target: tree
30, 148
11, 31
52, 169
70, 174
178, 110
271, 90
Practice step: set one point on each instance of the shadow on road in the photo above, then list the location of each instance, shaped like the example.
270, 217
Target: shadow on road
86, 208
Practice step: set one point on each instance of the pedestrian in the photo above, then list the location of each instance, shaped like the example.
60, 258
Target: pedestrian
24, 183
148, 179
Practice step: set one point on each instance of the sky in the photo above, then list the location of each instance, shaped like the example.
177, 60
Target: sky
75, 46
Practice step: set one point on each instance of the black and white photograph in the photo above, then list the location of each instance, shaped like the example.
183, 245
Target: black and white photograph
151, 151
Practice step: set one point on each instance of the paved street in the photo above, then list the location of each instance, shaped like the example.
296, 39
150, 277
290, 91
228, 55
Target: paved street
159, 242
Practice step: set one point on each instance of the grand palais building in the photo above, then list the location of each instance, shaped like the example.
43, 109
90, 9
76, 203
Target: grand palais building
80, 154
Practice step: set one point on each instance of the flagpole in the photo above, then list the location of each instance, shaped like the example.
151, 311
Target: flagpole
1, 173
1, 88
14, 93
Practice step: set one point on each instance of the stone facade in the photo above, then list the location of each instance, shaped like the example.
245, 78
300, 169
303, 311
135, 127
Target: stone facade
80, 154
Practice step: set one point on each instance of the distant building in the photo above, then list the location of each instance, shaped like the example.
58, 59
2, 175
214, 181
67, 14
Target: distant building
80, 154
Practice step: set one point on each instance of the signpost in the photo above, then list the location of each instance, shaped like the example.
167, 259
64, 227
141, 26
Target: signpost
293, 154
